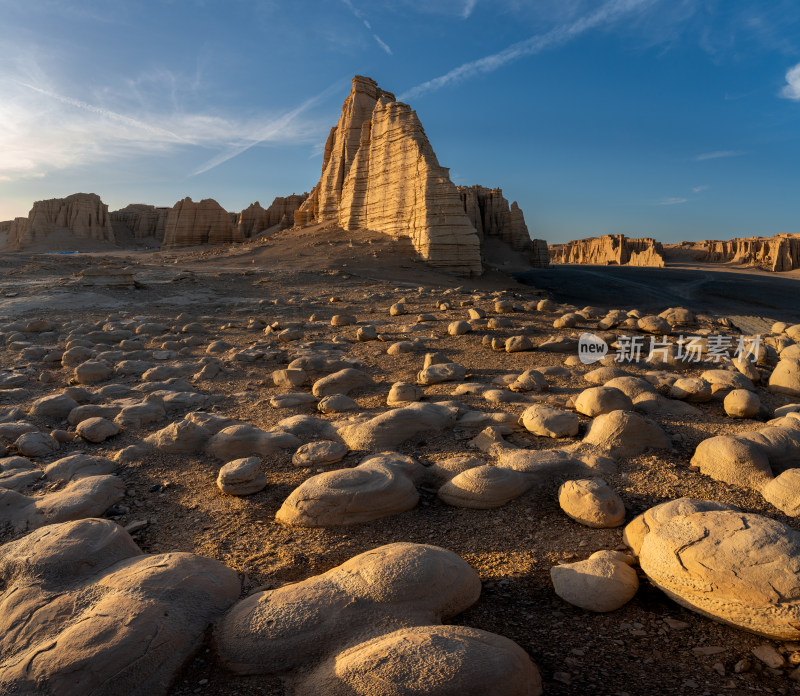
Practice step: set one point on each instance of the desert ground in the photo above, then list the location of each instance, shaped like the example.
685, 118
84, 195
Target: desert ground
249, 295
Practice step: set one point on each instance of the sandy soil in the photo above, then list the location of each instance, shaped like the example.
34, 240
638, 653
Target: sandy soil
290, 277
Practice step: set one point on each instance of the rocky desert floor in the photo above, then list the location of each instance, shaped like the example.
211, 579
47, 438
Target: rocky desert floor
256, 308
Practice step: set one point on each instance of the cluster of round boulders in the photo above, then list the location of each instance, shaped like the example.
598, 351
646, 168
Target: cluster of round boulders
95, 410
749, 460
373, 626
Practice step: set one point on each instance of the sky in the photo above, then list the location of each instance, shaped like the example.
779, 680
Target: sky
675, 119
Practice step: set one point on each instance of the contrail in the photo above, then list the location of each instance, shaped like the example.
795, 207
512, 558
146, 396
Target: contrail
360, 16
268, 132
535, 44
155, 130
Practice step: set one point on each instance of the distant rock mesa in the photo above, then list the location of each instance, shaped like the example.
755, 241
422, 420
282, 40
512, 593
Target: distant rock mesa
60, 220
610, 250
778, 253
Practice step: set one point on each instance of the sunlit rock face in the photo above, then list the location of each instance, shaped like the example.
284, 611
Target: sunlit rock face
610, 249
778, 253
204, 222
79, 216
380, 172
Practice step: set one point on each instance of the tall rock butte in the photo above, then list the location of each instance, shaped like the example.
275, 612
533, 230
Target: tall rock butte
380, 172
204, 222
58, 221
610, 250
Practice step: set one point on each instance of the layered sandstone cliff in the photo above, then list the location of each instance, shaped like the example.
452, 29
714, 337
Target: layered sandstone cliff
255, 219
81, 216
204, 222
778, 253
380, 172
142, 220
490, 214
610, 249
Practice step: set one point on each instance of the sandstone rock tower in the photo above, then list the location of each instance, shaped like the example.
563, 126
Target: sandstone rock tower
204, 222
380, 172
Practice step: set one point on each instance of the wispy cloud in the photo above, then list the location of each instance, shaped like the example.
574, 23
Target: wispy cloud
672, 201
274, 130
700, 189
360, 16
791, 90
718, 154
43, 128
608, 13
469, 6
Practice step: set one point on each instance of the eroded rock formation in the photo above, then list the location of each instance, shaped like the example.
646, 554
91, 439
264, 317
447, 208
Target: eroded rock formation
255, 219
142, 220
540, 255
380, 172
79, 216
490, 214
204, 222
610, 250
778, 253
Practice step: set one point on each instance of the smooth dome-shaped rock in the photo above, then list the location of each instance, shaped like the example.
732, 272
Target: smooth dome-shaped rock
381, 485
547, 421
97, 429
402, 393
341, 382
625, 434
597, 400
735, 567
393, 427
282, 631
54, 406
239, 441
592, 502
785, 378
484, 487
319, 453
654, 325
35, 444
241, 477
603, 582
430, 660
441, 372
92, 371
691, 389
741, 403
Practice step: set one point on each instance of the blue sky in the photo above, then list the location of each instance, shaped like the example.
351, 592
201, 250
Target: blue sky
677, 119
